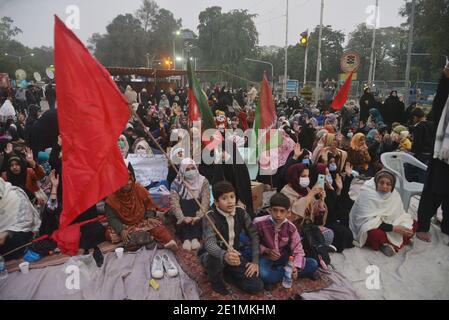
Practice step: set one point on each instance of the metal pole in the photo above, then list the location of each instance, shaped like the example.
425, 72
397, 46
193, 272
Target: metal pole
318, 63
305, 58
374, 68
286, 51
174, 53
371, 61
409, 53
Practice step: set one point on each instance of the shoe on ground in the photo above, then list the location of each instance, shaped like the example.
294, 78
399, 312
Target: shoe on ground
187, 245
219, 287
171, 245
157, 268
169, 266
195, 244
388, 250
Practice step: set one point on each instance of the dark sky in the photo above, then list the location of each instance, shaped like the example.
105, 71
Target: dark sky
35, 17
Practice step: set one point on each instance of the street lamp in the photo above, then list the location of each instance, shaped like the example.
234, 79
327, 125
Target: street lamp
175, 33
266, 62
19, 57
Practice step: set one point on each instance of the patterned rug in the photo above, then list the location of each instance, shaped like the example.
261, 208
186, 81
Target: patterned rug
190, 263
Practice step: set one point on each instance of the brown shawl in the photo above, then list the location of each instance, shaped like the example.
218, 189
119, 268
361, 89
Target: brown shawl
131, 206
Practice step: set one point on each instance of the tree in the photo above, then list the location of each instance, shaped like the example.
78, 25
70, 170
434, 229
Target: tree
225, 39
124, 44
431, 31
146, 13
390, 51
162, 32
7, 30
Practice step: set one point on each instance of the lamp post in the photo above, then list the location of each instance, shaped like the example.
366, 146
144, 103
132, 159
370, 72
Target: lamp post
19, 57
272, 69
175, 33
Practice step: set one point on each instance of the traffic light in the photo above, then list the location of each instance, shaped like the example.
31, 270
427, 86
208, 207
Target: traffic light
303, 41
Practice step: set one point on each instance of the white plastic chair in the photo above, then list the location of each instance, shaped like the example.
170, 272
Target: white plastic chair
394, 161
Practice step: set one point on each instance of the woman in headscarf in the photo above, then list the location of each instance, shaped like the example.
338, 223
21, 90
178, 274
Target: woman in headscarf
329, 144
19, 220
130, 95
306, 203
378, 218
337, 189
142, 147
184, 206
374, 143
123, 145
358, 154
131, 209
20, 175
375, 119
366, 103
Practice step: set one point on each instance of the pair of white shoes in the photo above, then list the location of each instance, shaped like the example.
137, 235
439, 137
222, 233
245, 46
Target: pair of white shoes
191, 245
161, 263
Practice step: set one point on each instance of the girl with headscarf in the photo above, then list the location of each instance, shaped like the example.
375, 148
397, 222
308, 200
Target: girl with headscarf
358, 154
337, 194
131, 209
19, 219
378, 218
329, 144
306, 203
184, 206
374, 143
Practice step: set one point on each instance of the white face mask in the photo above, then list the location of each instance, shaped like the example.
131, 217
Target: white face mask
304, 182
329, 179
190, 175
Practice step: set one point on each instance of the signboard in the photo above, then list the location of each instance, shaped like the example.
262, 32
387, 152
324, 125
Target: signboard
344, 76
350, 61
292, 87
149, 169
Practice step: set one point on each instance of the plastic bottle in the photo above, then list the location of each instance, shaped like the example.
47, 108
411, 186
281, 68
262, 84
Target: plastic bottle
3, 271
288, 271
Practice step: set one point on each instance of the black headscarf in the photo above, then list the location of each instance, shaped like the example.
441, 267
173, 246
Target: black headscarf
18, 180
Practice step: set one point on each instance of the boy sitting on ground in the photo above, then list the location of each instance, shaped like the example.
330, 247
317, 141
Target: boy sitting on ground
279, 239
221, 262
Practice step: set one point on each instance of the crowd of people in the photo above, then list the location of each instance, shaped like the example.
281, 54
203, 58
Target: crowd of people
310, 215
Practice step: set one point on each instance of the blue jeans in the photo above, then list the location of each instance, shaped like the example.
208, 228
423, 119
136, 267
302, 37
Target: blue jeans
272, 272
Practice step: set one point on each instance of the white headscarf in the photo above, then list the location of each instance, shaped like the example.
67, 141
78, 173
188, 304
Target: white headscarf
371, 209
145, 145
17, 214
194, 186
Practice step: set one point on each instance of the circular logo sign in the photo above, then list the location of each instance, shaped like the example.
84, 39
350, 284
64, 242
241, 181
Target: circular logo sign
350, 61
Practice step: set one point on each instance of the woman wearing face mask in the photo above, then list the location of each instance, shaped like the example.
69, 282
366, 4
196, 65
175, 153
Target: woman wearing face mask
142, 147
306, 203
123, 146
184, 206
378, 218
297, 156
336, 192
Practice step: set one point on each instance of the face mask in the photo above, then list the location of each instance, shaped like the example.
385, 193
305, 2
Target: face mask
121, 144
332, 167
190, 175
304, 182
350, 135
329, 179
306, 161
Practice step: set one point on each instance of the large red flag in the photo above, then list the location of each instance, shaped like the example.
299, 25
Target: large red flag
342, 95
91, 115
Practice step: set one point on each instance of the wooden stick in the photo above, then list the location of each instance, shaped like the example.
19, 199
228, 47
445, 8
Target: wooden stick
205, 212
